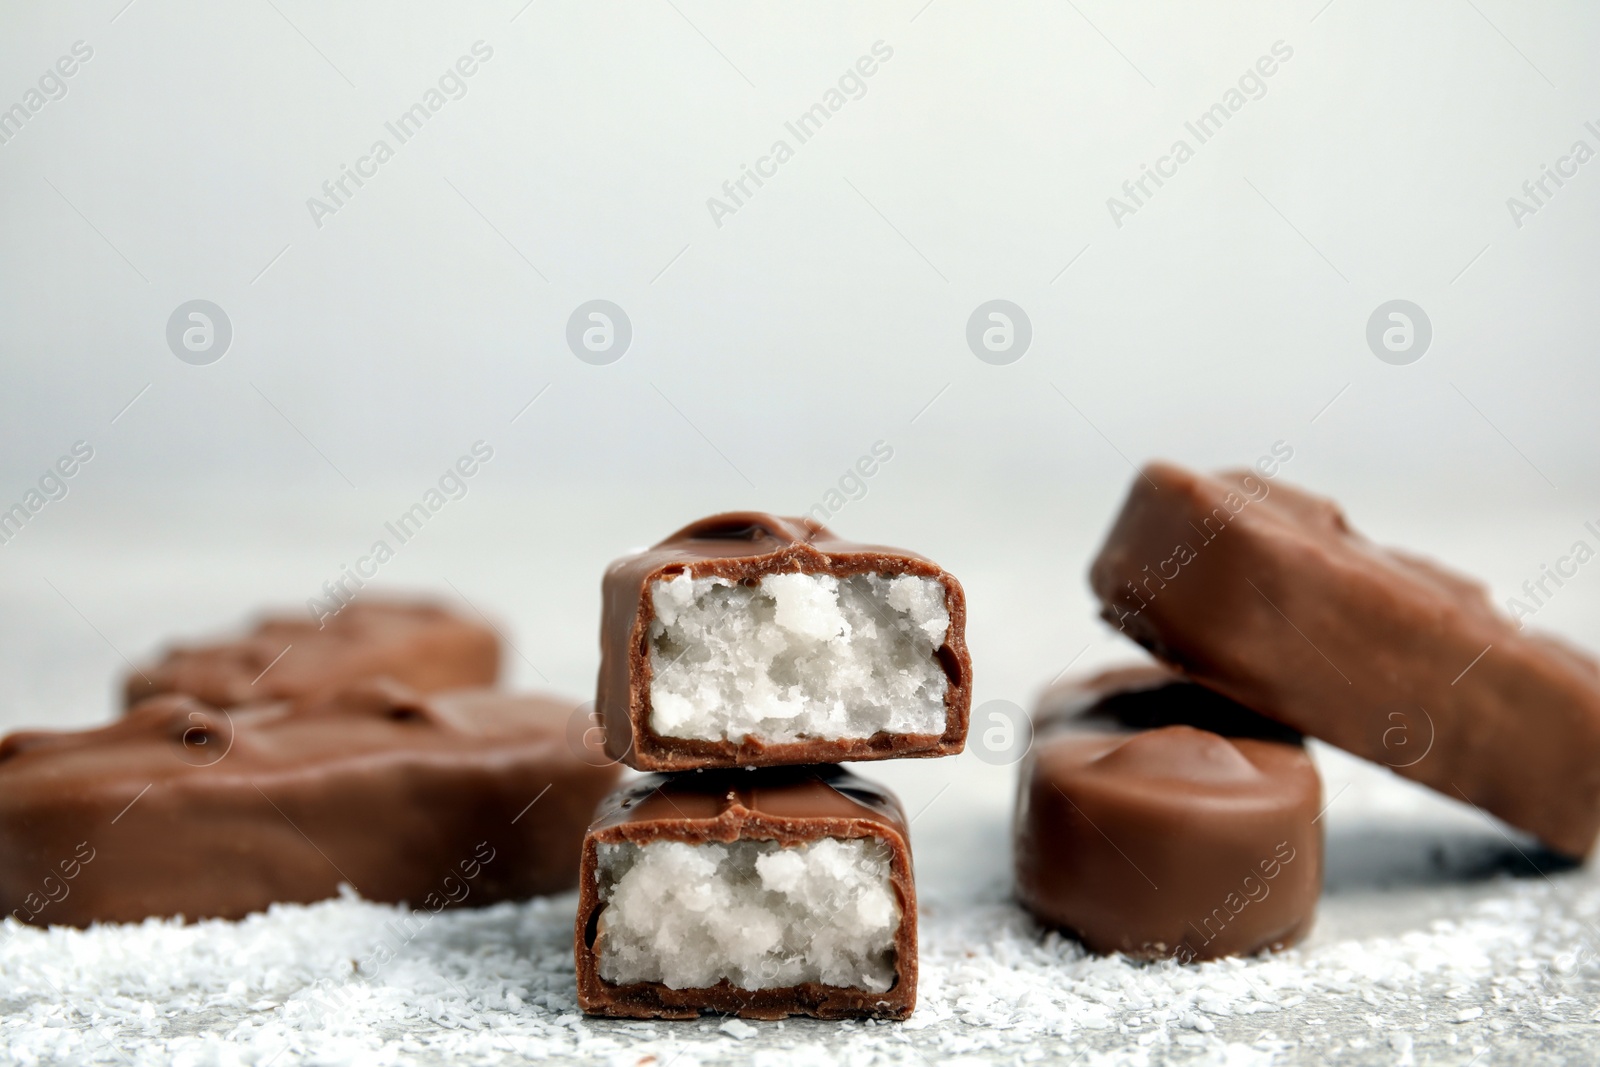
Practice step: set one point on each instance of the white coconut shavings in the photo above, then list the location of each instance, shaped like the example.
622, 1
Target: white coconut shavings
749, 912
797, 655
496, 986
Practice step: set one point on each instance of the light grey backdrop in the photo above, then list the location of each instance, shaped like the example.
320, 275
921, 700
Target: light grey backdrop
777, 337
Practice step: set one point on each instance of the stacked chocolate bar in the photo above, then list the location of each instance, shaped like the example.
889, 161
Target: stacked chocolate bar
741, 659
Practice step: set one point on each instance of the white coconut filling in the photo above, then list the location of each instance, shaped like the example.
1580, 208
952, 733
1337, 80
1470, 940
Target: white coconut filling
797, 655
752, 912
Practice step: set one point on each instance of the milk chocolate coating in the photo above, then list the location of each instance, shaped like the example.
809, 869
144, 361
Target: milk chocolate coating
415, 643
1170, 842
746, 546
1147, 696
1265, 594
789, 805
184, 809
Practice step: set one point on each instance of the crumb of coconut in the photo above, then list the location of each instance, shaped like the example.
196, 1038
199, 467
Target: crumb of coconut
496, 985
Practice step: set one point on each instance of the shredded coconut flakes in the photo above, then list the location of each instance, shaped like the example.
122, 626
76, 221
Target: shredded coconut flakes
496, 985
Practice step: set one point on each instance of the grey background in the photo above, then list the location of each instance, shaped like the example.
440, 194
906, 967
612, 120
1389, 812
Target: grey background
769, 354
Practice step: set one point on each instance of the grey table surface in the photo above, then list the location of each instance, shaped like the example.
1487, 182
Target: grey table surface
1441, 938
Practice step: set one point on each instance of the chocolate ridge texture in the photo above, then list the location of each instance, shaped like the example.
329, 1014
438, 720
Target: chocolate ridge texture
744, 547
184, 809
1265, 593
1169, 842
286, 657
790, 805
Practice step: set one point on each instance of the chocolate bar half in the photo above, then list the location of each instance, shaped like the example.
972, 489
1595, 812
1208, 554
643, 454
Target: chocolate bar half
785, 891
466, 797
286, 657
1168, 842
748, 639
1265, 594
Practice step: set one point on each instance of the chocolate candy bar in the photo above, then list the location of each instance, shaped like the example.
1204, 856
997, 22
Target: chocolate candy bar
1147, 696
1265, 594
466, 797
758, 893
748, 639
287, 657
1168, 842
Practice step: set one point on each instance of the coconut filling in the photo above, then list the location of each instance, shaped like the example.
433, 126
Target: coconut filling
752, 912
796, 656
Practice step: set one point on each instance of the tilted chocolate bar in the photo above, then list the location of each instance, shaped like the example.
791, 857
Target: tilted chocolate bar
1265, 594
1168, 842
748, 639
287, 657
767, 893
182, 809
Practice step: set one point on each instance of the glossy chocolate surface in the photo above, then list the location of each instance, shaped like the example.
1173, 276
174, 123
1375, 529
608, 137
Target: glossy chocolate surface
745, 546
190, 810
1265, 594
1146, 696
789, 805
1166, 842
287, 657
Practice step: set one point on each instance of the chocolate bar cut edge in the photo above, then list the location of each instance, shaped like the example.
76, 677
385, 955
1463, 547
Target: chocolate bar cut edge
711, 548
789, 805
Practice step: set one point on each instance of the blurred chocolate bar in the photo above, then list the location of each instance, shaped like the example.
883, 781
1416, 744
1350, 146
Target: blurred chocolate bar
178, 808
287, 657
